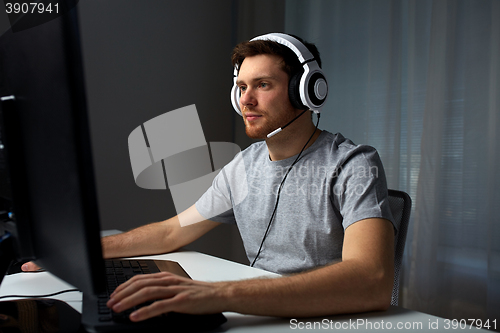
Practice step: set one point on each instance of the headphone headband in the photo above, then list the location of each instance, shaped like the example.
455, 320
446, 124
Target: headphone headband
300, 50
309, 90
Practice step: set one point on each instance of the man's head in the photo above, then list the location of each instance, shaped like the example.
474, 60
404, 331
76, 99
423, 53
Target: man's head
300, 60
290, 63
268, 81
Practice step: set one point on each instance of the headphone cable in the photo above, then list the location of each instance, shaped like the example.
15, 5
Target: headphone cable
279, 192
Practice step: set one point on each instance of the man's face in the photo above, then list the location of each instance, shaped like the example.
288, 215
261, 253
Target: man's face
264, 95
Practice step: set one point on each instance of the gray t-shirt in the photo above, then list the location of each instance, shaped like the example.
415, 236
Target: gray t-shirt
334, 184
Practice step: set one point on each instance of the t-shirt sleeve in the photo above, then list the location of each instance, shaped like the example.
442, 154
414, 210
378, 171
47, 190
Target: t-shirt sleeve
215, 204
360, 190
228, 188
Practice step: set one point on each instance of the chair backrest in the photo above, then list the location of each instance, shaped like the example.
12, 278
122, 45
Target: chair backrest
400, 203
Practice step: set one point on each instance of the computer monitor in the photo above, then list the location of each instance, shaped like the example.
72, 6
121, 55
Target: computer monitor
47, 188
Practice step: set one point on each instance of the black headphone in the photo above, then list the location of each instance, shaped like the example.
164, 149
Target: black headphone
307, 89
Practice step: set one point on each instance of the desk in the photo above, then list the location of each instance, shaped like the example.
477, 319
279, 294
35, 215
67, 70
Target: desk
208, 268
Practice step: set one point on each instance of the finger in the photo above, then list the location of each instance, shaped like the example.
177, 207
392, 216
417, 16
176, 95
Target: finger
144, 295
195, 298
134, 285
30, 267
155, 309
139, 277
136, 292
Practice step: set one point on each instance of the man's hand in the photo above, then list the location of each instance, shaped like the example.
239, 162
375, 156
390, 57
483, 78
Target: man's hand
361, 282
171, 292
30, 267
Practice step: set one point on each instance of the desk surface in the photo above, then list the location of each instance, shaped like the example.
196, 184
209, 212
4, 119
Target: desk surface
208, 268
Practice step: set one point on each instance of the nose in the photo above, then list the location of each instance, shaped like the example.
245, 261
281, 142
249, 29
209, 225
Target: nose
247, 98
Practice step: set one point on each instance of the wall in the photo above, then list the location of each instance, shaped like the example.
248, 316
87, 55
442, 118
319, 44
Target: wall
143, 59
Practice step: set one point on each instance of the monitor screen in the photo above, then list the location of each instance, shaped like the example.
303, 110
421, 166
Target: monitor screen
46, 169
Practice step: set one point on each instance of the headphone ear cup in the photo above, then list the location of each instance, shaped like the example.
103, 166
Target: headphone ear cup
294, 91
317, 89
235, 99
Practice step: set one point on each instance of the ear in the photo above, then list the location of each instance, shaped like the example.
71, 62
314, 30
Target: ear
294, 91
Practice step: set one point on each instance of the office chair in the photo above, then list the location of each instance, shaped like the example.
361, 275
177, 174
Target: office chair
400, 203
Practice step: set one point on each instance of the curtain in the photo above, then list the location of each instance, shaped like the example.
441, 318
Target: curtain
420, 81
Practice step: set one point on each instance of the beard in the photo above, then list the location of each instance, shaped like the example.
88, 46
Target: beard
258, 132
266, 124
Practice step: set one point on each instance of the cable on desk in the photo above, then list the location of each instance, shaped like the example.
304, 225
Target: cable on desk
40, 296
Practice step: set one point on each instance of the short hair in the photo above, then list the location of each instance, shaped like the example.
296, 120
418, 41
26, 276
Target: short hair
291, 63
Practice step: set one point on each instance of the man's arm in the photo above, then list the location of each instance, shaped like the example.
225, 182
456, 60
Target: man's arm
363, 281
159, 237
154, 238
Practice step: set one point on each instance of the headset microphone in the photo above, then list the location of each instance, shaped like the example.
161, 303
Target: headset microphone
273, 133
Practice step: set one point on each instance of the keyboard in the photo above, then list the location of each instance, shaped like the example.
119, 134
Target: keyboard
97, 317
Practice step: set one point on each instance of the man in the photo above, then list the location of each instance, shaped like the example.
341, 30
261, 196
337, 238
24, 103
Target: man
326, 227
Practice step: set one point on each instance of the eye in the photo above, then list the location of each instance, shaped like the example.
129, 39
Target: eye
242, 88
263, 85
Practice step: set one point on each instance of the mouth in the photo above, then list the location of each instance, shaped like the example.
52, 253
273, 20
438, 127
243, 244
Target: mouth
250, 116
